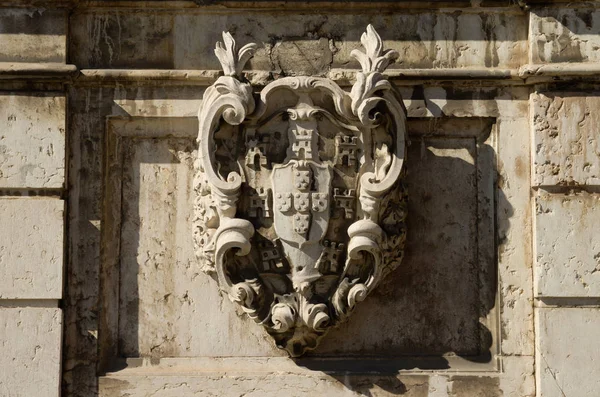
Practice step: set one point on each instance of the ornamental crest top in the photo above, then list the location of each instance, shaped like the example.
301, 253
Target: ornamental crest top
300, 206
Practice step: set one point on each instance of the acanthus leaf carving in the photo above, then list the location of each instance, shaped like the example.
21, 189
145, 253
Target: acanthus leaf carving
300, 204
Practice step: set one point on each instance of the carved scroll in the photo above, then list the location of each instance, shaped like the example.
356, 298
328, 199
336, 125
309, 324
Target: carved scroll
300, 206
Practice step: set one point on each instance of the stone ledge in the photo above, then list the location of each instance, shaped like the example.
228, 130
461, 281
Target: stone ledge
45, 70
526, 74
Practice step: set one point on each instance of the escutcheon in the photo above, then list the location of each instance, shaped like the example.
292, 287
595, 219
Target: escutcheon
300, 207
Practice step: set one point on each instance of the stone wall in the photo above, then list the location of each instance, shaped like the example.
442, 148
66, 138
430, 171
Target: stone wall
100, 292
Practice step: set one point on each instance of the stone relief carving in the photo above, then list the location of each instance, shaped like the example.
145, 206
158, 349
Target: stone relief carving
300, 208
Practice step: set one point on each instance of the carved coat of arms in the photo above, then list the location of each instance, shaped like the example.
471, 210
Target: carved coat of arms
300, 208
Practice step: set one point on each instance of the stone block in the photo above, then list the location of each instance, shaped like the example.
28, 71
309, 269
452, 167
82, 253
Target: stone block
31, 248
566, 148
141, 40
33, 35
565, 35
32, 140
151, 39
30, 340
567, 352
567, 245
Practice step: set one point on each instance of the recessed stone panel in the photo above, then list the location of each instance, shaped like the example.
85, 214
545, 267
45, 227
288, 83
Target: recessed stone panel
160, 283
567, 245
32, 140
30, 340
31, 248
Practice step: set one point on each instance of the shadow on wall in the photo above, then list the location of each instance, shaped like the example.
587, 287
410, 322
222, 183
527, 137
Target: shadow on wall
426, 314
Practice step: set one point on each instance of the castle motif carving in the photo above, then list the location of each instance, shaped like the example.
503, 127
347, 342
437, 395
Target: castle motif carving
300, 206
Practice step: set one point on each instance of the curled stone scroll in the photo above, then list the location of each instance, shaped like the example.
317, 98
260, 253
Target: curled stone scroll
300, 207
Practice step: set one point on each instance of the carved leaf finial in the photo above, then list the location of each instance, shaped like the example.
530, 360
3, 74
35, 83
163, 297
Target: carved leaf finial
374, 59
232, 61
370, 80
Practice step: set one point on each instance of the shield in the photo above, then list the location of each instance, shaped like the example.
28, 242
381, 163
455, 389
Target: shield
301, 190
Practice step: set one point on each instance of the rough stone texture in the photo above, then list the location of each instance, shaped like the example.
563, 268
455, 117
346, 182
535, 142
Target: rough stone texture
30, 340
27, 273
567, 245
32, 140
567, 352
566, 148
565, 35
33, 35
180, 39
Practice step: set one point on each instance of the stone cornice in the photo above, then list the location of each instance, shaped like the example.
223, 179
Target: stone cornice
21, 70
354, 5
525, 75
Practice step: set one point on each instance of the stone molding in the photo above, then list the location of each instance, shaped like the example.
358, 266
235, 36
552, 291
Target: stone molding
530, 74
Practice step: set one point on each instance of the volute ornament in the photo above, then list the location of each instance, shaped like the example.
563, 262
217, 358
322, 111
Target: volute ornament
300, 207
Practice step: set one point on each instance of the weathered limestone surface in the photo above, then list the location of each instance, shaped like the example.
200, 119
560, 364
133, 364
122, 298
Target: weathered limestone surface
30, 352
32, 140
567, 245
292, 43
566, 147
33, 35
31, 248
565, 35
567, 351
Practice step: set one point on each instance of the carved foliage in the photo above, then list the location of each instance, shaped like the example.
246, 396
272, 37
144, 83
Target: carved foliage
300, 208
